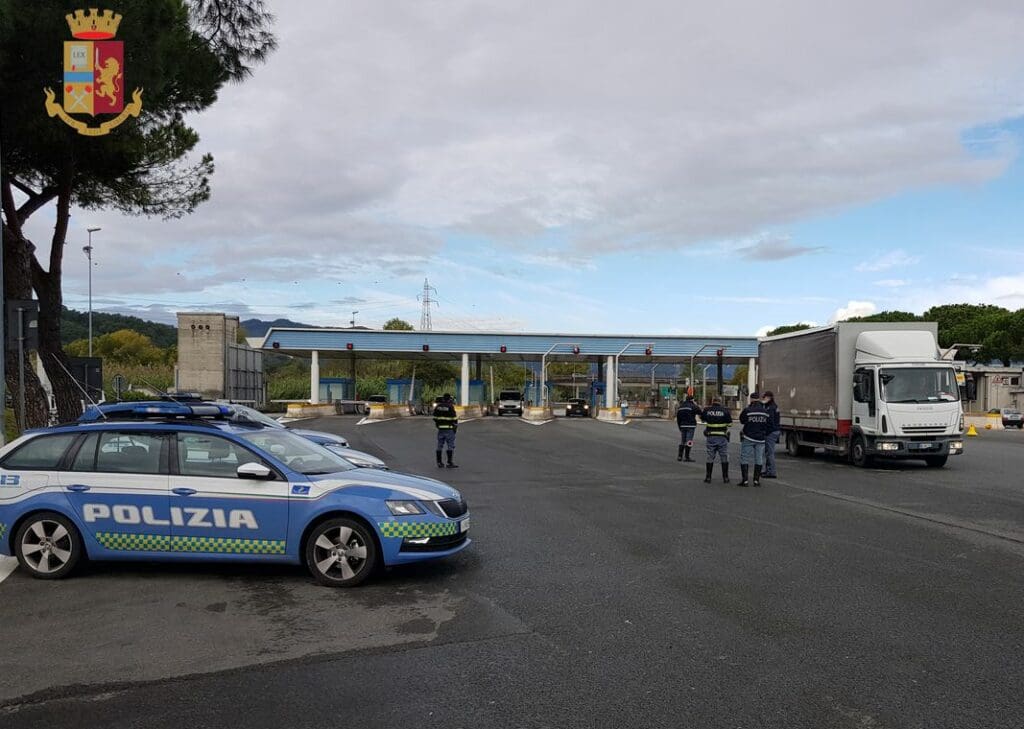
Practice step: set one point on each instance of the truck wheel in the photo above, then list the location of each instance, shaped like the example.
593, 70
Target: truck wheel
859, 453
794, 449
936, 461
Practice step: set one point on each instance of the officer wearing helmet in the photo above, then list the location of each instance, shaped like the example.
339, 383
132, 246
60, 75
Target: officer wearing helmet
447, 422
716, 433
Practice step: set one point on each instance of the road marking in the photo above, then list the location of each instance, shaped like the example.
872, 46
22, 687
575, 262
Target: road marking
7, 566
535, 422
371, 421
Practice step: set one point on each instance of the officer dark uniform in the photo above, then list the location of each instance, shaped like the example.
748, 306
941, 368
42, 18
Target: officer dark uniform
447, 422
772, 441
716, 432
757, 423
686, 419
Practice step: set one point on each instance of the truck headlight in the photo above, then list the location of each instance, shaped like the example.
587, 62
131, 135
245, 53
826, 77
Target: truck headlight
956, 445
888, 446
404, 508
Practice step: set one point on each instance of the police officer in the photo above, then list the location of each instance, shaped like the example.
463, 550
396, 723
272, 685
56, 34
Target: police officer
772, 441
447, 422
716, 432
756, 426
686, 419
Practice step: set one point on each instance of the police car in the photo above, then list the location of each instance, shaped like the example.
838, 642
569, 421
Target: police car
186, 482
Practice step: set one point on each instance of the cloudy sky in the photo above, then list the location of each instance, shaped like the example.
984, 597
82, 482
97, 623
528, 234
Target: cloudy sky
584, 165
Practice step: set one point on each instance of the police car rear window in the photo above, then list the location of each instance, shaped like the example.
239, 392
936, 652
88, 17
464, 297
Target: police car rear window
42, 453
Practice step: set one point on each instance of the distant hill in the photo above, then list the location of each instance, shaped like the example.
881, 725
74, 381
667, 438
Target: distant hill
75, 325
259, 327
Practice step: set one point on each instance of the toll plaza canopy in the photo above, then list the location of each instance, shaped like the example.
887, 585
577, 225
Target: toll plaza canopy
605, 349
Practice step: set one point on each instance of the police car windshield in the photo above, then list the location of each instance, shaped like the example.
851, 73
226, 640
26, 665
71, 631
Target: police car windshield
296, 452
244, 413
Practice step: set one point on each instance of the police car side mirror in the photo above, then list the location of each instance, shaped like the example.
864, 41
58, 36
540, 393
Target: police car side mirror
255, 471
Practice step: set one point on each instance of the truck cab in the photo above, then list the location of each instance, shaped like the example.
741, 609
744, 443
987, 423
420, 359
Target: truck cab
905, 402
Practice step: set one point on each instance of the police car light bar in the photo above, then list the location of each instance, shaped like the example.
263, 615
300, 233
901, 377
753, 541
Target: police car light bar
155, 411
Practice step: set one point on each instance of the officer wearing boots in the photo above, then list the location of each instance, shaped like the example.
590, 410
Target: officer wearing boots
447, 422
686, 419
716, 432
757, 423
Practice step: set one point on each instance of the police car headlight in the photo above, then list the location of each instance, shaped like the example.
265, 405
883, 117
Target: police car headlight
404, 508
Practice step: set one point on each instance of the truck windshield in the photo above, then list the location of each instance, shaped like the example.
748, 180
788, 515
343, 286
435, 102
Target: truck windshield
919, 384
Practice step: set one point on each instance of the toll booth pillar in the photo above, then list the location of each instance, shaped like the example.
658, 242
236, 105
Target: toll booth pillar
751, 375
314, 378
464, 385
611, 377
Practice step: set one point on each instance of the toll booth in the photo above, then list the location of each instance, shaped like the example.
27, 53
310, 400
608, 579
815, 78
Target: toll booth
333, 389
597, 390
399, 390
532, 393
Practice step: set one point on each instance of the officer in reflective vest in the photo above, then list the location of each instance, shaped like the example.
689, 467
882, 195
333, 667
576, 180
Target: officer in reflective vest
447, 422
716, 432
686, 420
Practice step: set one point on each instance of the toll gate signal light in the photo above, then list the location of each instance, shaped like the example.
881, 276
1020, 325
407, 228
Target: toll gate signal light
720, 352
575, 350
503, 349
649, 351
426, 347
349, 346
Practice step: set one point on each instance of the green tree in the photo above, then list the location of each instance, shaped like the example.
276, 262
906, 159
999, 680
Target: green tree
786, 329
889, 316
397, 325
124, 347
180, 53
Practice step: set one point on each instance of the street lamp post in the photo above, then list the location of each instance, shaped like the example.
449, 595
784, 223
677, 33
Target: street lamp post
352, 321
88, 255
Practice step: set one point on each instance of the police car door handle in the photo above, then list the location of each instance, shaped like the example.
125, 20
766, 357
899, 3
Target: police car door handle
183, 491
78, 487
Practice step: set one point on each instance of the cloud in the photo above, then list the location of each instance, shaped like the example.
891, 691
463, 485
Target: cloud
893, 259
852, 309
892, 283
775, 248
379, 130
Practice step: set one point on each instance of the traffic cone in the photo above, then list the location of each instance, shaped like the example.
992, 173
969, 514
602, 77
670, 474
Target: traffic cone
972, 431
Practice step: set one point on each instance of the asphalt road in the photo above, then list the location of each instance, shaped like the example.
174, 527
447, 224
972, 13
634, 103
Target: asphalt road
607, 586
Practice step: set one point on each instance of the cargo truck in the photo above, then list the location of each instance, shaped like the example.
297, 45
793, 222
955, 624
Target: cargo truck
864, 390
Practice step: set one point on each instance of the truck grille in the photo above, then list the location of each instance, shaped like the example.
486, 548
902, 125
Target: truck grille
924, 429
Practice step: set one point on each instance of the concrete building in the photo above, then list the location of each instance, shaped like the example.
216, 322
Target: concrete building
212, 362
995, 387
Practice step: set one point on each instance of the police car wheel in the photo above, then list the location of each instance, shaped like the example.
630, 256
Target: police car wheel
48, 546
341, 552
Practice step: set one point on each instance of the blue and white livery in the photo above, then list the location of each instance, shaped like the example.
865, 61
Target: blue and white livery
203, 487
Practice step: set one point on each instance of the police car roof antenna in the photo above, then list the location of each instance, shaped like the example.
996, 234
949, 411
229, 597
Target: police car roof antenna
79, 386
160, 392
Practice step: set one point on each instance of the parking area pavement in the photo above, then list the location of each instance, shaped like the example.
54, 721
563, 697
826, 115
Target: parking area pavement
606, 586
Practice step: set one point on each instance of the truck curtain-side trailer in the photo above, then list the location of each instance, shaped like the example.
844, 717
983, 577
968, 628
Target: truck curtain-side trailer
865, 390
